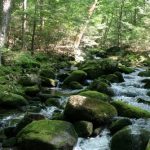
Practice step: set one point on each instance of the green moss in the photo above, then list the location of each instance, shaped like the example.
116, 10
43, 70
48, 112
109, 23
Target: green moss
52, 102
148, 146
48, 73
96, 95
88, 109
127, 110
12, 100
125, 69
125, 139
139, 100
145, 73
119, 124
75, 85
77, 75
32, 90
47, 134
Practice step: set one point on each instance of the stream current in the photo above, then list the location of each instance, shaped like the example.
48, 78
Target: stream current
128, 91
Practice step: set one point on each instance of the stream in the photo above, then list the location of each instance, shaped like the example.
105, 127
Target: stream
128, 91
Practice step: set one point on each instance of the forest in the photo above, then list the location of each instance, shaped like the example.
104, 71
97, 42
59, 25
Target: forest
74, 74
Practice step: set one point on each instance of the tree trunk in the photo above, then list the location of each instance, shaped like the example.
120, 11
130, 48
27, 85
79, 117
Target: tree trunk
120, 23
77, 51
4, 22
34, 29
24, 23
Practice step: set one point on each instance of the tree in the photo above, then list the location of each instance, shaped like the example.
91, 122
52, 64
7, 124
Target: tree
5, 19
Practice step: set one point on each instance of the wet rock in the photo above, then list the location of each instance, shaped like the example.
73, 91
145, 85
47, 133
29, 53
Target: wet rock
52, 102
148, 93
84, 108
97, 131
48, 82
127, 110
140, 100
102, 86
75, 85
9, 131
83, 128
62, 76
145, 73
47, 135
95, 95
96, 68
28, 119
9, 142
77, 75
11, 100
126, 70
148, 145
119, 124
32, 90
130, 139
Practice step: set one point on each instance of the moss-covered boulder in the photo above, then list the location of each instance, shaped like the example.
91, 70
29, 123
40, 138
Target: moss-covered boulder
32, 90
145, 73
47, 135
53, 102
11, 100
148, 145
101, 85
48, 82
130, 138
119, 124
127, 110
28, 118
47, 73
75, 85
125, 69
96, 68
77, 75
83, 128
96, 95
84, 108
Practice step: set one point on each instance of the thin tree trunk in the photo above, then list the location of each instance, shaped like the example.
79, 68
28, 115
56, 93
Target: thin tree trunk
5, 18
24, 23
77, 51
34, 29
120, 23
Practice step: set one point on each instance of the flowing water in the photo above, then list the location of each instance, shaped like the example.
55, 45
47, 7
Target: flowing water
128, 91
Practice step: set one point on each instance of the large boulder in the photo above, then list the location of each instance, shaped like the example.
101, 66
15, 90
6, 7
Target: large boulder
77, 75
32, 90
11, 100
145, 73
96, 95
47, 135
96, 68
127, 110
84, 108
130, 138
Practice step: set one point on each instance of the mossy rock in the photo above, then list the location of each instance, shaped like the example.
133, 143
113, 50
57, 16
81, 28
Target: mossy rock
101, 85
62, 76
11, 100
125, 69
84, 108
96, 95
47, 73
140, 100
148, 93
119, 124
47, 135
32, 90
53, 102
148, 145
11, 142
96, 68
75, 85
130, 139
48, 82
127, 110
77, 75
83, 128
28, 118
144, 73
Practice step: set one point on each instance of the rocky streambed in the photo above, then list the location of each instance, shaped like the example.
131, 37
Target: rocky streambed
86, 110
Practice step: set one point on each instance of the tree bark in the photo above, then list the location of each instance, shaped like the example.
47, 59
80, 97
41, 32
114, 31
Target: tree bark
77, 51
5, 18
